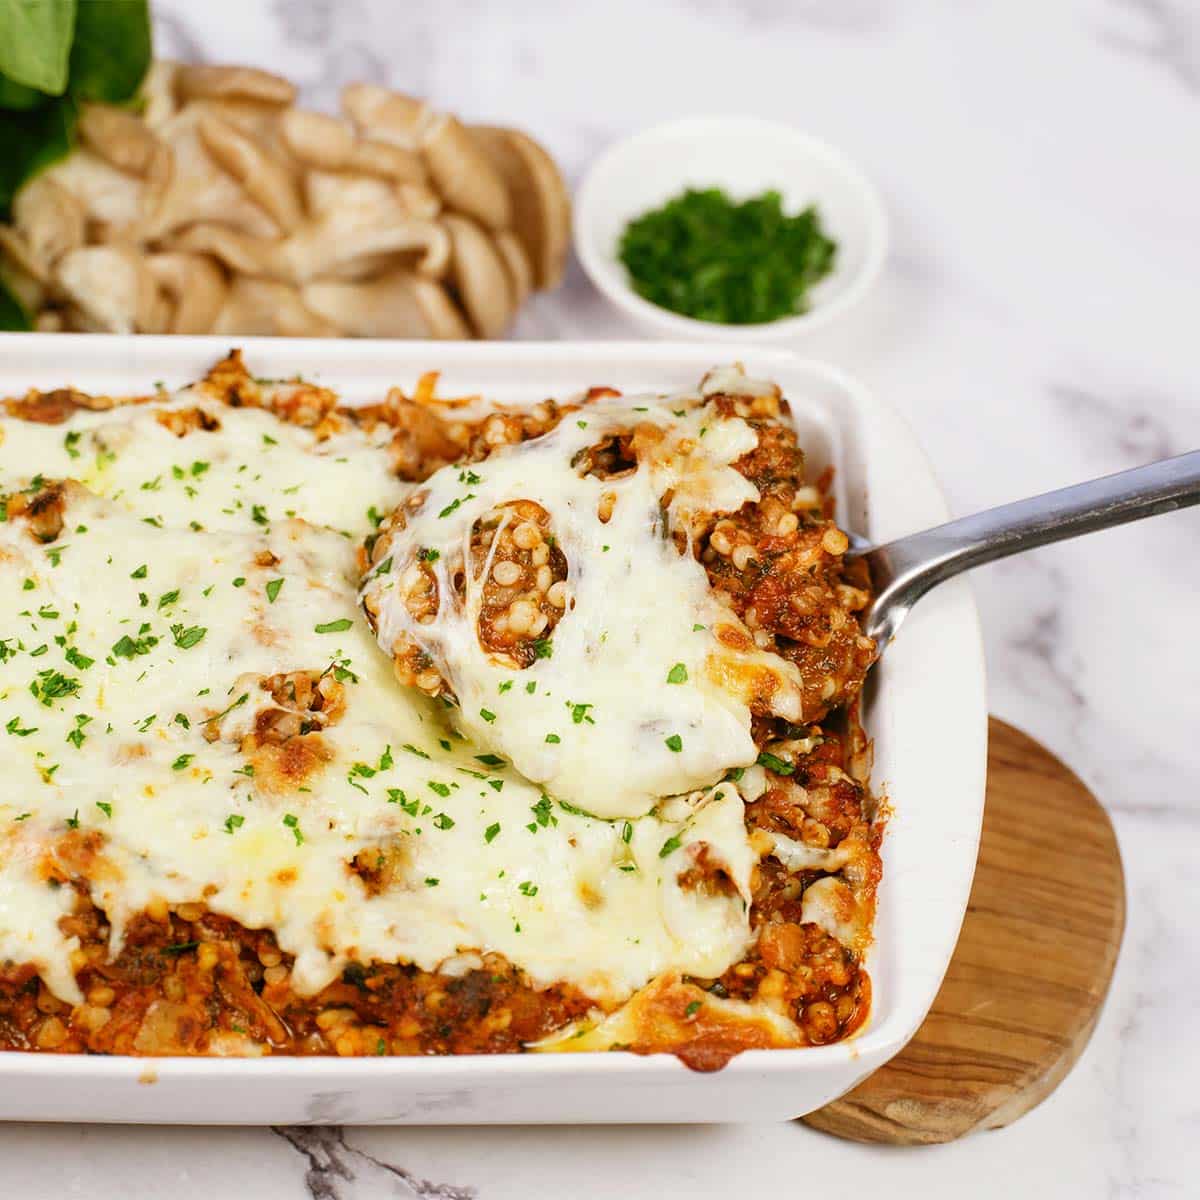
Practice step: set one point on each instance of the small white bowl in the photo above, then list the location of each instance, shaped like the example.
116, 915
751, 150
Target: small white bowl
744, 156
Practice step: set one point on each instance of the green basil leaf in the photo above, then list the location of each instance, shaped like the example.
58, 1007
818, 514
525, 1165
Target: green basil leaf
17, 95
112, 49
35, 42
12, 315
32, 140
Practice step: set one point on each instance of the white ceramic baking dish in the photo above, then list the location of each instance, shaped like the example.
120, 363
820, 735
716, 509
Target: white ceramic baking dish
926, 712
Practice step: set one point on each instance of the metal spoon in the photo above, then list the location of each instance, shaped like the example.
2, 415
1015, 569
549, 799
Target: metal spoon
904, 570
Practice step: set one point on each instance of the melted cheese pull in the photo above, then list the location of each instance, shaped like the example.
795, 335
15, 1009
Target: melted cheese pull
644, 688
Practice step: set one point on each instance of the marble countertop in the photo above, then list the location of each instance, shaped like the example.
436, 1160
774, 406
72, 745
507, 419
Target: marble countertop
1038, 325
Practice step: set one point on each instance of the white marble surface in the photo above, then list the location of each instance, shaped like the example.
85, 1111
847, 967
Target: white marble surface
1038, 324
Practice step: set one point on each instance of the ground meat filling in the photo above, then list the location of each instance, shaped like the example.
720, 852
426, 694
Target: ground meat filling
188, 981
779, 564
523, 577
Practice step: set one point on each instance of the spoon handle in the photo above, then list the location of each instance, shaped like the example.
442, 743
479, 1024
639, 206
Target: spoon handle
904, 570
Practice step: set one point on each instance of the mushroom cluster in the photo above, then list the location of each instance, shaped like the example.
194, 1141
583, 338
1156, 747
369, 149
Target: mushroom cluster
222, 208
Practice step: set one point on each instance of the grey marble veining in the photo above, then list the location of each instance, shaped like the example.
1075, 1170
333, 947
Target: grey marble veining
1037, 325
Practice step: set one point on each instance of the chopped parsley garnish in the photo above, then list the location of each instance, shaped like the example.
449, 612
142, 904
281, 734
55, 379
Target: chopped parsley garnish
670, 845
413, 750
71, 441
527, 888
14, 727
273, 587
128, 647
77, 737
185, 639
627, 832
487, 715
543, 648
168, 598
234, 821
490, 760
293, 823
675, 743
677, 674
428, 554
698, 628
338, 626
53, 685
456, 504
430, 881
441, 789
140, 573
397, 796
240, 581
76, 659
442, 821
543, 814
73, 821
553, 739
181, 762
104, 807
692, 1009
773, 763
259, 515
489, 834
579, 713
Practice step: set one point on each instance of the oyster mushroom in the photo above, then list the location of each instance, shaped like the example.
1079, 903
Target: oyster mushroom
195, 287
50, 221
261, 306
320, 251
111, 290
479, 277
541, 206
386, 115
419, 201
464, 175
121, 138
266, 181
325, 142
29, 289
387, 306
516, 263
199, 190
109, 197
446, 322
232, 83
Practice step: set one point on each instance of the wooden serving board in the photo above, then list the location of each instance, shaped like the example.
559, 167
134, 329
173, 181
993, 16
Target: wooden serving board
1030, 972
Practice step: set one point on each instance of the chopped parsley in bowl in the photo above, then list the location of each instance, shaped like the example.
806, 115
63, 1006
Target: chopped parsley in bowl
729, 228
715, 259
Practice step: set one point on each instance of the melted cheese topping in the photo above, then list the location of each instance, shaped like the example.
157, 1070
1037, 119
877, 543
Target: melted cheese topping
248, 470
125, 643
640, 695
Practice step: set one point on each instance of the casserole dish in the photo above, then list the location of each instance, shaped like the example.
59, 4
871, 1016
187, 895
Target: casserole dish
926, 713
